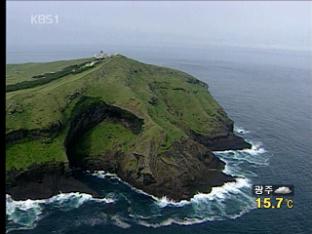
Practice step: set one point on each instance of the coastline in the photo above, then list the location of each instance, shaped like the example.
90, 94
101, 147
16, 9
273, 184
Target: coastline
47, 180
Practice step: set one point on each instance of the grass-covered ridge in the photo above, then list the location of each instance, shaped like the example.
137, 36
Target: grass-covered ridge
171, 103
16, 73
47, 77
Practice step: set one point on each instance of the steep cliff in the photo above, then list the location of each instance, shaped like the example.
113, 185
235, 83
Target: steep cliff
155, 127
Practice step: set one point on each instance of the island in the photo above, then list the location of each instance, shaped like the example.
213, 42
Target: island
155, 127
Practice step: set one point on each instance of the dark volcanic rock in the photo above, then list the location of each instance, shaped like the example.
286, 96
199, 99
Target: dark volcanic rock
229, 141
181, 172
44, 181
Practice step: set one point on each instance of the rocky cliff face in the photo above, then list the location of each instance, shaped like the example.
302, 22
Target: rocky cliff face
44, 181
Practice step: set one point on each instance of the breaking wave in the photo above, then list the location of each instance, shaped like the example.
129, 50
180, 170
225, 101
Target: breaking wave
240, 130
132, 206
26, 214
227, 202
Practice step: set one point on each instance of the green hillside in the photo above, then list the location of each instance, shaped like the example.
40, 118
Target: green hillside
171, 103
155, 127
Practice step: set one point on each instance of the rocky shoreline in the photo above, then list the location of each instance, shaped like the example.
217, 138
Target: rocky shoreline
44, 181
187, 168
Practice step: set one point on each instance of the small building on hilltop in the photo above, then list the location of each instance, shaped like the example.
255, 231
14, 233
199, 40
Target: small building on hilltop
101, 55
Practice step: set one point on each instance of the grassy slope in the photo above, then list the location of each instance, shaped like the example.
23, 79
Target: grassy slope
28, 152
180, 106
16, 73
106, 136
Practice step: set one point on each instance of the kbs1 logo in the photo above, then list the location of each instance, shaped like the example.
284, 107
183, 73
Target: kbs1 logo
44, 19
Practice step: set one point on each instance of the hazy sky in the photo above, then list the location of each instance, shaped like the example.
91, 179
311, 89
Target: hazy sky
256, 24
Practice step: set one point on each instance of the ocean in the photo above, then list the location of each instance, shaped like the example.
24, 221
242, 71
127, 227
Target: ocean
267, 93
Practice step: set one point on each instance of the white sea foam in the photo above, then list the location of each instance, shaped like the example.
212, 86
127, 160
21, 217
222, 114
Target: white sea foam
179, 221
73, 200
118, 221
253, 156
27, 213
216, 193
256, 149
189, 220
103, 174
24, 213
240, 130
